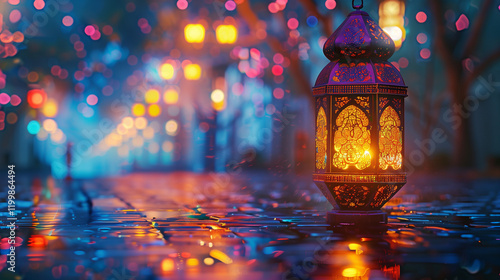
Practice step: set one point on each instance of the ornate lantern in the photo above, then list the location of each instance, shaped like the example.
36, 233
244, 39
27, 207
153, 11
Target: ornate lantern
359, 105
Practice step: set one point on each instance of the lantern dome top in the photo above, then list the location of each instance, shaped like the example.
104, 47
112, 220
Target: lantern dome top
359, 37
358, 51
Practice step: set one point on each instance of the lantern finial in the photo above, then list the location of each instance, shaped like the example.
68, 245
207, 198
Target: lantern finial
357, 7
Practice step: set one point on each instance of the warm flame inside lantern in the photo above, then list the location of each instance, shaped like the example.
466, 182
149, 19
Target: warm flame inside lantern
359, 105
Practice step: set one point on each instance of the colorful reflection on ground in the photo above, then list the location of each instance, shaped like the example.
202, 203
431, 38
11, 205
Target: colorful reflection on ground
208, 226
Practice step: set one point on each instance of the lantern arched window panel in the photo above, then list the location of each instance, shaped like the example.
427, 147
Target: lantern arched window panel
391, 139
362, 138
321, 139
352, 139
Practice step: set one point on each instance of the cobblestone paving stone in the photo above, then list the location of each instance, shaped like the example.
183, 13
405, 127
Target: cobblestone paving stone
207, 226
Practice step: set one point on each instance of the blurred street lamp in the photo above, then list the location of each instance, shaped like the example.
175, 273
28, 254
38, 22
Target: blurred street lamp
194, 33
50, 108
392, 20
167, 71
359, 105
171, 96
192, 71
226, 34
218, 100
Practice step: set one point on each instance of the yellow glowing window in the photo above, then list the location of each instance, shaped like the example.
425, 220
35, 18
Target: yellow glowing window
391, 140
352, 141
321, 136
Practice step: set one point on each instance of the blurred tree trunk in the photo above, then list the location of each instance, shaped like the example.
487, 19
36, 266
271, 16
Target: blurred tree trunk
458, 79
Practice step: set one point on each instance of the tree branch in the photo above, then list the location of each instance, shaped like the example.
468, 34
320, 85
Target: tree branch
485, 64
326, 21
477, 28
300, 78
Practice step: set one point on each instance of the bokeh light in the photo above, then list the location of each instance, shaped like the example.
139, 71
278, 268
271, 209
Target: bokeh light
33, 127
192, 71
154, 110
36, 98
194, 33
226, 34
167, 71
421, 17
171, 96
50, 108
152, 96
171, 127
217, 96
138, 110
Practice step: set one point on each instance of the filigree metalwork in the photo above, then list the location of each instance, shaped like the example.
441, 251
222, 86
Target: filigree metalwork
352, 73
340, 102
382, 101
382, 195
391, 140
351, 196
321, 139
387, 73
363, 101
354, 37
352, 139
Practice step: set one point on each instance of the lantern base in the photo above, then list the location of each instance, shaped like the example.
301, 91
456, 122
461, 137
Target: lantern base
356, 218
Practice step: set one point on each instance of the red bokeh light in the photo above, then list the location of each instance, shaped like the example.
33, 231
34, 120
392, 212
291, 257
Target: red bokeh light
36, 98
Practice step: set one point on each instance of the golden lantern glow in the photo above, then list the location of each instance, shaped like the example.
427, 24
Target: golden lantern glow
138, 110
391, 140
352, 139
152, 96
194, 33
50, 108
171, 96
192, 71
226, 34
154, 110
392, 20
321, 136
167, 71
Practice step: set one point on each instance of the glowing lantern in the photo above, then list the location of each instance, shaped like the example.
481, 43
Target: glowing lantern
36, 98
194, 33
192, 71
226, 34
359, 105
392, 13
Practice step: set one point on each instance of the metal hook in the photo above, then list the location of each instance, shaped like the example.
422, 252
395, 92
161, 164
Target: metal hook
357, 7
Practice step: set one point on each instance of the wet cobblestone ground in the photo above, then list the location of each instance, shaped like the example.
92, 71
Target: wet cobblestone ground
207, 226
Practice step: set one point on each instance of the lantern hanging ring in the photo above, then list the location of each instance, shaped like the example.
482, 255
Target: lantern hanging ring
357, 7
